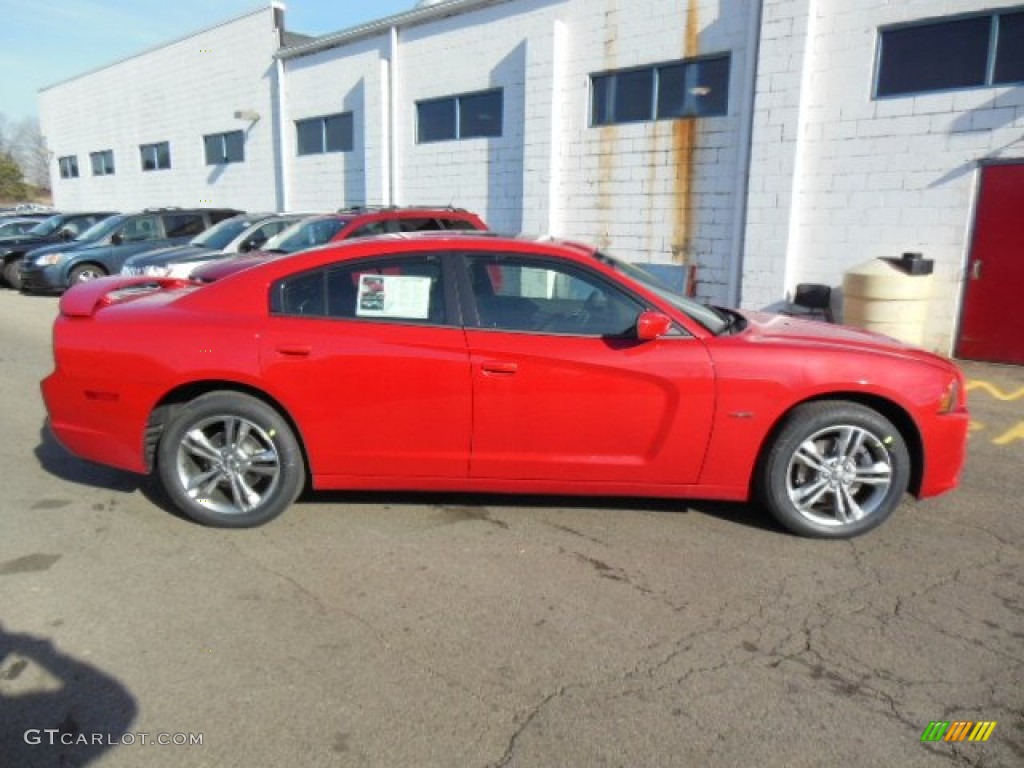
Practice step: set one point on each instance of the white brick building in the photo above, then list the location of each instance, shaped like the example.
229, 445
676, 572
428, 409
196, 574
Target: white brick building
746, 142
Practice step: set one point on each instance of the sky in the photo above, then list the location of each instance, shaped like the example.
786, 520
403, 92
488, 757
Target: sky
43, 42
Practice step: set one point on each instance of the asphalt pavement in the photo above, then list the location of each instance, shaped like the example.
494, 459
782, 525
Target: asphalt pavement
444, 630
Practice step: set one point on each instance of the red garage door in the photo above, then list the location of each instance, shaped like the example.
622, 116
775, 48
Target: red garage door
992, 319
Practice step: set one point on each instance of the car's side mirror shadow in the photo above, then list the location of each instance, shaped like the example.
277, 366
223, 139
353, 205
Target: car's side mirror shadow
652, 325
117, 238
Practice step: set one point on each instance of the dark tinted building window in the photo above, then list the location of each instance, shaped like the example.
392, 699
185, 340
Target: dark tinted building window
693, 89
958, 53
102, 163
480, 114
624, 97
689, 88
224, 148
155, 157
932, 57
466, 116
435, 120
68, 166
1010, 49
329, 133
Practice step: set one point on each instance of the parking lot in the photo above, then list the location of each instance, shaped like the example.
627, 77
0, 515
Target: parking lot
391, 630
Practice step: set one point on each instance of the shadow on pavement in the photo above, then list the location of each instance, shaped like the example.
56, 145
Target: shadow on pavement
55, 709
53, 458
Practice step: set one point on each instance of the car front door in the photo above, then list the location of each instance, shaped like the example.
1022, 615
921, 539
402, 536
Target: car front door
562, 389
371, 360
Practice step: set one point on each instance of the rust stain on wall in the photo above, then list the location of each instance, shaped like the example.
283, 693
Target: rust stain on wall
684, 146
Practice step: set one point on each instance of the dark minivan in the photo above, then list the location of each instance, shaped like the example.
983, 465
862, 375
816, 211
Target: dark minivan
111, 243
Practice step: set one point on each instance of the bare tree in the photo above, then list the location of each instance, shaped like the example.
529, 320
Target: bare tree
28, 147
23, 142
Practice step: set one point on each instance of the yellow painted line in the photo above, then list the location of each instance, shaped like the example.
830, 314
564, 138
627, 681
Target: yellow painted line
975, 426
1011, 435
995, 391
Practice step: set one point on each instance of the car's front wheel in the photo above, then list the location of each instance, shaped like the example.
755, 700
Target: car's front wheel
230, 460
11, 273
84, 273
835, 469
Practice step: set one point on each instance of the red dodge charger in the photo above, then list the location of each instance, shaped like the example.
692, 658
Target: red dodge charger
471, 362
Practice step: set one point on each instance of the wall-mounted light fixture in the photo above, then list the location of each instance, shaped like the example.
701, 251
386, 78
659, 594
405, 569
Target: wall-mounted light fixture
247, 114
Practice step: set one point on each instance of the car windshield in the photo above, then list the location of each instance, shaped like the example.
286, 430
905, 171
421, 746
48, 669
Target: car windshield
305, 234
715, 320
47, 226
100, 229
219, 236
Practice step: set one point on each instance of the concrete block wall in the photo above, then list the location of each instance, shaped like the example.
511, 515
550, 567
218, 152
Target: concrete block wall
337, 80
507, 46
664, 191
869, 177
175, 93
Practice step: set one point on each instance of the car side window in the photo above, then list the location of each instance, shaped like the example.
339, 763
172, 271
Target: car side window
407, 290
373, 228
532, 295
418, 224
184, 224
258, 238
458, 224
140, 228
300, 295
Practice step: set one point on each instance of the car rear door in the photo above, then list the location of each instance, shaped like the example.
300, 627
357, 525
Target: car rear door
562, 389
371, 360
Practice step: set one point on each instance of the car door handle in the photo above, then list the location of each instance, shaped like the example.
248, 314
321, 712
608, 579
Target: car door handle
294, 350
503, 369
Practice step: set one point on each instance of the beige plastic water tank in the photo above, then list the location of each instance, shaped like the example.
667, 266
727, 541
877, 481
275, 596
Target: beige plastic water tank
881, 296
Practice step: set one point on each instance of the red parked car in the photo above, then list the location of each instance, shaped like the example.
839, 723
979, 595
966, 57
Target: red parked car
481, 363
348, 222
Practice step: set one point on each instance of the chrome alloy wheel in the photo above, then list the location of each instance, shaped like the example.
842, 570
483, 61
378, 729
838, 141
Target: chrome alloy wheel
839, 475
228, 464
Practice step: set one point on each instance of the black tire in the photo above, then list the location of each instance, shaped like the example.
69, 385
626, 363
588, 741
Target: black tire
834, 469
11, 275
210, 445
83, 273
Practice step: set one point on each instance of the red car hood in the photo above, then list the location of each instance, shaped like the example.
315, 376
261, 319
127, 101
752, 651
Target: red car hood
780, 329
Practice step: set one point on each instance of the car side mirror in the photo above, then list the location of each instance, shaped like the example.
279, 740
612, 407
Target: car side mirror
117, 238
66, 234
651, 325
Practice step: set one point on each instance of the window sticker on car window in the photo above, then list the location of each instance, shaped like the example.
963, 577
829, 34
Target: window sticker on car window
404, 296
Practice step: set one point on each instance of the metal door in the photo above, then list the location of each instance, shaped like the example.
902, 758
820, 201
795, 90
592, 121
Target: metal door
992, 319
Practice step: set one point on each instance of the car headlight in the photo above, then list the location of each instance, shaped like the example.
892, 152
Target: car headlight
184, 269
49, 259
155, 271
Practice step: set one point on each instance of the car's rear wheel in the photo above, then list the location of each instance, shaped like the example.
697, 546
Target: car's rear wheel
230, 460
86, 272
835, 469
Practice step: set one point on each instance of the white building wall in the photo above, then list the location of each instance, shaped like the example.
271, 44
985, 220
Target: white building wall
867, 177
337, 80
836, 177
175, 93
665, 191
508, 46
